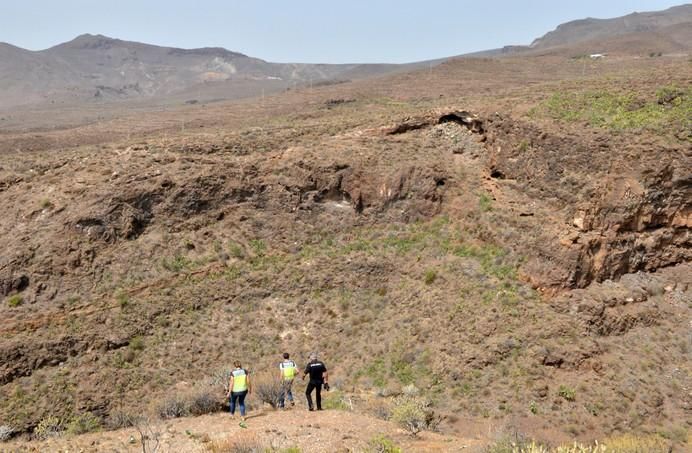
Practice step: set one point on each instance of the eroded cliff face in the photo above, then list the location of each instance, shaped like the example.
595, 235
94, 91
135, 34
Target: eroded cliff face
601, 205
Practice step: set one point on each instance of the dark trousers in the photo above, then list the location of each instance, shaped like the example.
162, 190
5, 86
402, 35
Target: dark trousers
317, 387
240, 397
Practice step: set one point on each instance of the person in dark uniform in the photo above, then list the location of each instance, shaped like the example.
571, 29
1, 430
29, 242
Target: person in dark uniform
318, 377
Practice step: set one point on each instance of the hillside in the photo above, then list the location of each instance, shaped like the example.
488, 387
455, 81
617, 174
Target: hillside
520, 256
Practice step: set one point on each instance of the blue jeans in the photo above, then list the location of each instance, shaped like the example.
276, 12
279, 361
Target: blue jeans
240, 397
286, 392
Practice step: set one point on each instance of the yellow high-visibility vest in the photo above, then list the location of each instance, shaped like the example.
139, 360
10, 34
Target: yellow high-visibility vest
288, 369
239, 380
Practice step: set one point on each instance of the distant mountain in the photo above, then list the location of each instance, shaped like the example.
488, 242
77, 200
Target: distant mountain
96, 68
590, 29
99, 68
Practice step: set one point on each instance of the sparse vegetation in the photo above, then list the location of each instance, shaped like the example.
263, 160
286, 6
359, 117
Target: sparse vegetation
623, 110
414, 414
176, 264
567, 393
485, 202
173, 406
122, 298
268, 389
430, 276
382, 444
137, 343
244, 443
50, 426
14, 301
83, 423
621, 444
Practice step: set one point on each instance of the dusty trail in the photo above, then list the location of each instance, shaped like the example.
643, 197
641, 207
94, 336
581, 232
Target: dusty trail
327, 431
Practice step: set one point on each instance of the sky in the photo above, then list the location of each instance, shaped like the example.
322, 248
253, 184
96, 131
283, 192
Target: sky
307, 31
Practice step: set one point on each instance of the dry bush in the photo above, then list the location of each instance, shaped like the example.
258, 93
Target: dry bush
83, 423
149, 434
268, 389
119, 420
242, 443
414, 414
6, 432
173, 407
382, 444
203, 402
48, 427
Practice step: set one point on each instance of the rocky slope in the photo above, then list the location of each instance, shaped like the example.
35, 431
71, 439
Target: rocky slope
522, 266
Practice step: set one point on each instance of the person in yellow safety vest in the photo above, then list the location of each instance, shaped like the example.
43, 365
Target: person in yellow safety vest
238, 388
288, 370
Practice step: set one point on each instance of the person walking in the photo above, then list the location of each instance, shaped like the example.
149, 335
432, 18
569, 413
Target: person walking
238, 388
318, 377
288, 370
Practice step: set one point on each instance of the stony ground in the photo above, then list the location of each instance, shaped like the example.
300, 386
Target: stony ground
328, 431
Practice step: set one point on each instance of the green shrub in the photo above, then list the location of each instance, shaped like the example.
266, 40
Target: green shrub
567, 393
668, 112
258, 247
84, 423
430, 276
122, 298
176, 264
236, 251
15, 300
335, 400
485, 202
382, 444
137, 343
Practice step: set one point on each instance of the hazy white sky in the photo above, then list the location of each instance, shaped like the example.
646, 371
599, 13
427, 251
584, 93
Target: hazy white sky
307, 30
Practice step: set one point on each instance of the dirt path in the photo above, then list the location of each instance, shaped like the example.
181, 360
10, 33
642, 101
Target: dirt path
327, 431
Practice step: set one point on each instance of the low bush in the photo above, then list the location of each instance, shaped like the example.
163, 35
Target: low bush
336, 400
119, 420
629, 443
48, 427
267, 389
173, 407
198, 402
382, 444
243, 443
83, 423
414, 414
622, 444
430, 276
567, 393
203, 402
15, 301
